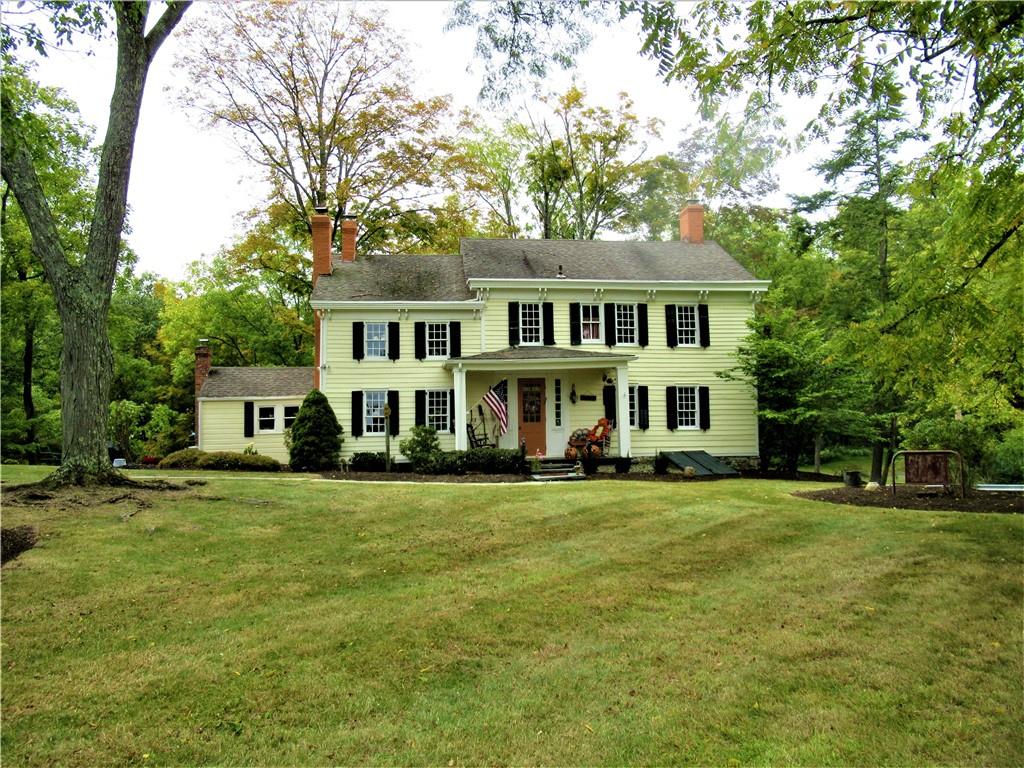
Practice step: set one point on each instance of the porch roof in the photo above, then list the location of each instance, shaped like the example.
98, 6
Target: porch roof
536, 358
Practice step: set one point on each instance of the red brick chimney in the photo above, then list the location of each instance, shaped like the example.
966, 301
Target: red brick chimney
321, 223
202, 371
691, 223
349, 230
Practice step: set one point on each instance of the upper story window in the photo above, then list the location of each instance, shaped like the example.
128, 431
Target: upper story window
377, 341
590, 322
686, 404
625, 323
686, 321
373, 412
529, 324
437, 341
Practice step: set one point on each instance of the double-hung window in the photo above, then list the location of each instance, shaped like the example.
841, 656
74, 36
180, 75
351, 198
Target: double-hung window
437, 341
530, 324
590, 323
686, 404
267, 418
290, 412
632, 405
374, 422
686, 322
376, 341
437, 410
625, 323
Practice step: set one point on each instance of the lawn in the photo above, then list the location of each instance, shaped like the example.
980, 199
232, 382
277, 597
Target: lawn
598, 623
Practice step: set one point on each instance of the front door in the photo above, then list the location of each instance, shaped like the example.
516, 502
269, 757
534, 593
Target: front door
532, 423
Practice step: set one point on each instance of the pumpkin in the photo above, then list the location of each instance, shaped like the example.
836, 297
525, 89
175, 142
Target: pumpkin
570, 453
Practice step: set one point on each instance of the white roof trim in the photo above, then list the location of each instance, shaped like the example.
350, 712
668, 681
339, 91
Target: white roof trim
246, 398
559, 363
467, 305
664, 285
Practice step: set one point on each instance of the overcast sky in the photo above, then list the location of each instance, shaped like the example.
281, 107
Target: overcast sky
189, 183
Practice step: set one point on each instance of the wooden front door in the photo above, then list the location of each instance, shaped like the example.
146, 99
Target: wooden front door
532, 421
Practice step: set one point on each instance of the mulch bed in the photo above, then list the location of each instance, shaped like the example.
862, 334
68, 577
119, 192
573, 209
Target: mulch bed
412, 477
909, 497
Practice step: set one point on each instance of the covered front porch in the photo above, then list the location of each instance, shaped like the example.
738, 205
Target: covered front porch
549, 393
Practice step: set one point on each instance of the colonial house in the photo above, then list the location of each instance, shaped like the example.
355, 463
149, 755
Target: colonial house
510, 342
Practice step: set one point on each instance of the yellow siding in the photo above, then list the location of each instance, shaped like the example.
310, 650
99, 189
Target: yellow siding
222, 428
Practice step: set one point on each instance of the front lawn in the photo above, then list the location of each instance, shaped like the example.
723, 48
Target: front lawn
314, 623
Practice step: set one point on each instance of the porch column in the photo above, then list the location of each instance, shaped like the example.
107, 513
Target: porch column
622, 409
461, 440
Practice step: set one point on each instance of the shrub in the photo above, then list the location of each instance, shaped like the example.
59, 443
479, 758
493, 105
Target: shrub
661, 464
150, 461
623, 464
316, 435
969, 436
421, 448
238, 461
183, 459
498, 461
445, 463
1007, 464
366, 461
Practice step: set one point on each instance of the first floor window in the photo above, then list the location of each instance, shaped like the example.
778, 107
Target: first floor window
687, 406
558, 402
590, 322
529, 324
290, 412
686, 320
377, 341
437, 410
373, 412
267, 418
625, 323
437, 340
632, 405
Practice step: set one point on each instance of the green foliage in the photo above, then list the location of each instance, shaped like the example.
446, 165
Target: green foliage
183, 459
315, 436
367, 461
1007, 458
421, 446
193, 458
498, 461
970, 436
444, 463
124, 426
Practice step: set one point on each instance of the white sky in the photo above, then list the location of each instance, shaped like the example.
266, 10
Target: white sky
188, 181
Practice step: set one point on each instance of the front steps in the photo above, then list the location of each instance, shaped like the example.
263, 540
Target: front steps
553, 471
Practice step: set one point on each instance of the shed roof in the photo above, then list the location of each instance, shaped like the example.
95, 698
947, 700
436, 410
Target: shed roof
254, 383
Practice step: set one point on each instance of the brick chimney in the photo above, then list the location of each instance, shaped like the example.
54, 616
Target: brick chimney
349, 230
691, 223
321, 223
202, 370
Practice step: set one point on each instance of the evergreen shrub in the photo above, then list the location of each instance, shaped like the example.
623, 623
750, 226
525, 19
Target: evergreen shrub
315, 436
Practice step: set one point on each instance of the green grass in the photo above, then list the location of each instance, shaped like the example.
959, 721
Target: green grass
598, 623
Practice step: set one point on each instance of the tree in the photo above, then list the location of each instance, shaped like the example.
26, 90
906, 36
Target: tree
315, 436
82, 288
319, 97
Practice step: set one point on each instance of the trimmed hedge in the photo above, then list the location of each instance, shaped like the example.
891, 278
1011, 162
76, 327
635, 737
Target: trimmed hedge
497, 461
193, 458
367, 461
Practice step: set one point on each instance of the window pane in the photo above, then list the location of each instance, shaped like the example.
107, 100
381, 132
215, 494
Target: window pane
437, 409
625, 323
558, 402
437, 339
377, 340
267, 417
590, 322
290, 412
632, 406
687, 406
687, 321
529, 323
373, 420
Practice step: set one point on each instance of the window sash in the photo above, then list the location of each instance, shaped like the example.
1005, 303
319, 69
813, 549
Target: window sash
290, 413
530, 324
374, 422
377, 341
632, 405
590, 323
266, 418
625, 323
437, 341
558, 402
686, 322
687, 407
437, 410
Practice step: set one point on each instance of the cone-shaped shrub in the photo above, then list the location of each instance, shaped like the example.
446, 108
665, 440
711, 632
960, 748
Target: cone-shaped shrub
316, 436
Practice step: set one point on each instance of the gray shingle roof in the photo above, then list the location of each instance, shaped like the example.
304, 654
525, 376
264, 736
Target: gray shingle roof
254, 383
443, 278
543, 353
600, 260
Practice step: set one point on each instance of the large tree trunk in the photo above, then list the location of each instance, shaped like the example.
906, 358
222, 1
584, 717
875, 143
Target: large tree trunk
27, 365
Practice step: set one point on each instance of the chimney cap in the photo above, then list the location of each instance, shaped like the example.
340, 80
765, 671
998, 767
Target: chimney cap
320, 209
204, 342
693, 201
348, 217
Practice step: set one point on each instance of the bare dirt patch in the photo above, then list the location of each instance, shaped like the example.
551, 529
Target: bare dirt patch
911, 497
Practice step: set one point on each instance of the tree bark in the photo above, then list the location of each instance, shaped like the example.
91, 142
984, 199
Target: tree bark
27, 364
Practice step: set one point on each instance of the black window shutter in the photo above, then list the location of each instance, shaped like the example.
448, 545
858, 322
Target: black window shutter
575, 333
704, 407
358, 347
357, 413
671, 325
393, 404
421, 407
248, 420
394, 341
641, 324
451, 411
672, 408
643, 409
513, 323
455, 339
702, 322
608, 393
548, 312
419, 335
609, 324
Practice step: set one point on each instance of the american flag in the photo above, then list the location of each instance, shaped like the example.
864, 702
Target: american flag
497, 400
